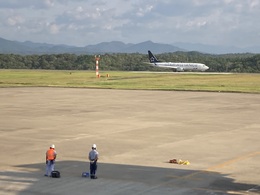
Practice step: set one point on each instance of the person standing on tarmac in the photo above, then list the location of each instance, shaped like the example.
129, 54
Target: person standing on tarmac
93, 157
50, 160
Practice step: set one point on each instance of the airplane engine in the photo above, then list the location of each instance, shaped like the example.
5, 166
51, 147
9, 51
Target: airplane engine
180, 69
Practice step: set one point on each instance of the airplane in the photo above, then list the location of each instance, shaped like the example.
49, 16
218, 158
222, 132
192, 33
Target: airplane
178, 66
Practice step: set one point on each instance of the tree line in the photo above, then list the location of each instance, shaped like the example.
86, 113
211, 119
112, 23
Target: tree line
237, 63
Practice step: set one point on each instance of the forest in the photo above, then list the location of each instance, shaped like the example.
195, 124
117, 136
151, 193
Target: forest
236, 63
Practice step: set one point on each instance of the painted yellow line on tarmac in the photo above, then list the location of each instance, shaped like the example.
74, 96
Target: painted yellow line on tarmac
229, 162
208, 170
232, 161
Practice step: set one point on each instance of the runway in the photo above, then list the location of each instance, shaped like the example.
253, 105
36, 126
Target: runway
137, 132
186, 72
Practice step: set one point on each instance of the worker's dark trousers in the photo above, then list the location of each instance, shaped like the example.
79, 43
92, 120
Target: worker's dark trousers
93, 168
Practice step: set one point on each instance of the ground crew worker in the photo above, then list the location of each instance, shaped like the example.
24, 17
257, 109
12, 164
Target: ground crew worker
50, 160
93, 157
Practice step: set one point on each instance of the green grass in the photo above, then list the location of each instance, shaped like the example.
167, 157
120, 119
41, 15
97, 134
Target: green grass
247, 83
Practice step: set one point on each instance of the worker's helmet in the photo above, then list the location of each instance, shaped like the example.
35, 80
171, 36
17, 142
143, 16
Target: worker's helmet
94, 146
52, 146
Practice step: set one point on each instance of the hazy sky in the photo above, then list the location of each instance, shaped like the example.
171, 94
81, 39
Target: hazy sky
85, 22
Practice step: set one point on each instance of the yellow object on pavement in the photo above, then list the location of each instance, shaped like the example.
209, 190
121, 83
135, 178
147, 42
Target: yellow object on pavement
181, 162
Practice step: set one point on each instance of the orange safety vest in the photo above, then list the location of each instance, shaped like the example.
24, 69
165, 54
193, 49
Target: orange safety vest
50, 154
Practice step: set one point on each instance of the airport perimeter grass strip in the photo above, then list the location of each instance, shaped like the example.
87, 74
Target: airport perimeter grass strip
243, 83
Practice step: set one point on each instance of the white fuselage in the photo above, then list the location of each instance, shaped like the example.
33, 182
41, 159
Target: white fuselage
180, 66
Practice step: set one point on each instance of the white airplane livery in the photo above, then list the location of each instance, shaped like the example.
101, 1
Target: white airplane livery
178, 66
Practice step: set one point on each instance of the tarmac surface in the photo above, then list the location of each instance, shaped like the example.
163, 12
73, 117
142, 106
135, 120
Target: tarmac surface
137, 133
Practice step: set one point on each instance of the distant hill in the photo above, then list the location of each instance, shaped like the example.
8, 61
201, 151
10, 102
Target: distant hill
29, 48
214, 49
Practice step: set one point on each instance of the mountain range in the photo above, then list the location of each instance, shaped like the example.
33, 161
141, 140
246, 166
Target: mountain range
30, 48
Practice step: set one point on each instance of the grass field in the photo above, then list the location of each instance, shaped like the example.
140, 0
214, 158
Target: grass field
246, 83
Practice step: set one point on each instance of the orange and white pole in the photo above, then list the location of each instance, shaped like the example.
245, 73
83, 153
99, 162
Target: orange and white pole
97, 59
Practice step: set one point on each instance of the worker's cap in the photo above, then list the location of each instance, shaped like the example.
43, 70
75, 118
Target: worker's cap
52, 146
94, 146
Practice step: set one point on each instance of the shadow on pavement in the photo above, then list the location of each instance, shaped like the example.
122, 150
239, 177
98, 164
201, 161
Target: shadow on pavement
119, 179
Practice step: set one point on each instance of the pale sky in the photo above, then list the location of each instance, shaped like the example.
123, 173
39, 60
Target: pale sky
85, 22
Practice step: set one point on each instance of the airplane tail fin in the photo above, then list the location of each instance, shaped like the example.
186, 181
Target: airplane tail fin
152, 58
